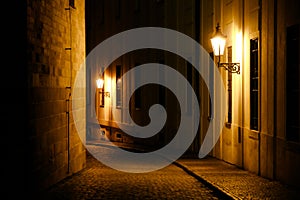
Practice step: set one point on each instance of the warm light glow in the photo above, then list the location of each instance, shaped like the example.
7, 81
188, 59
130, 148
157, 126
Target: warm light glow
239, 43
119, 81
218, 45
100, 83
108, 84
218, 42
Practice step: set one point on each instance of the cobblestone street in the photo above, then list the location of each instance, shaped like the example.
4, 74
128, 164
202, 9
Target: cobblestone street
98, 181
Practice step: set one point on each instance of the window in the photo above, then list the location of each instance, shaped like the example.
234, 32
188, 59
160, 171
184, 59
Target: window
101, 97
229, 87
118, 86
254, 84
101, 90
293, 83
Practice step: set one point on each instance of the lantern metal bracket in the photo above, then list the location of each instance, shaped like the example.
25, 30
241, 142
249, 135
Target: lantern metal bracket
106, 94
231, 67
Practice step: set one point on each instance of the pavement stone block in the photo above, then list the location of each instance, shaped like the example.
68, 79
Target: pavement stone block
236, 182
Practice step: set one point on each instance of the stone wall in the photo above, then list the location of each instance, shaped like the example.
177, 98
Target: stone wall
56, 50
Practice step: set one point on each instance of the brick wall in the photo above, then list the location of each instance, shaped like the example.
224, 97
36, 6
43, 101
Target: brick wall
55, 150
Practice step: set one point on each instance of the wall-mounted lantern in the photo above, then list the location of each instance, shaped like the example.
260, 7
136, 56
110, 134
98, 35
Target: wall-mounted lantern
218, 42
100, 85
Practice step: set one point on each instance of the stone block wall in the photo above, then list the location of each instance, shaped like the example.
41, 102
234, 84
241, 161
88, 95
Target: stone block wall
55, 52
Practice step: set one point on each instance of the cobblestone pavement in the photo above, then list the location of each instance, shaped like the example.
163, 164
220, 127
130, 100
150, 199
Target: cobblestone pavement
237, 183
98, 181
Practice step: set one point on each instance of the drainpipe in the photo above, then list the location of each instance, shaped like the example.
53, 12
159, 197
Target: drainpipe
68, 88
68, 126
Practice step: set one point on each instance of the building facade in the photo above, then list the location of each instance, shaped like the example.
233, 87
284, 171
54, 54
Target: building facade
261, 133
